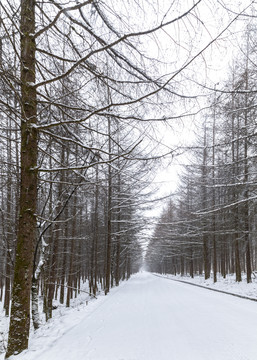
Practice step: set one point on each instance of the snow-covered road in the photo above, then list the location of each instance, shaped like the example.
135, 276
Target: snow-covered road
151, 318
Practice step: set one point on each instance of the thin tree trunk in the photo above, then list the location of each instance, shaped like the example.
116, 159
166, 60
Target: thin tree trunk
64, 256
118, 237
96, 232
9, 230
214, 197
235, 157
204, 202
246, 177
191, 263
71, 265
109, 213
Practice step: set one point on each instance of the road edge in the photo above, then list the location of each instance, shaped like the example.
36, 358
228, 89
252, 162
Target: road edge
207, 288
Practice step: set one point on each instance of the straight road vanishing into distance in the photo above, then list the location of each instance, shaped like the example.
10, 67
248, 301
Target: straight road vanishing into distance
152, 318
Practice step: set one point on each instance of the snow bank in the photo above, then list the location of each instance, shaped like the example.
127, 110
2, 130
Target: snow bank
228, 284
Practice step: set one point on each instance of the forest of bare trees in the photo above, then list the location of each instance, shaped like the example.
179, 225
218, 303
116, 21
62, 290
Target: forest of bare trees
209, 225
83, 87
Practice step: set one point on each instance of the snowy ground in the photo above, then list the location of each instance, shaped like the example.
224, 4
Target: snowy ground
228, 284
150, 318
62, 319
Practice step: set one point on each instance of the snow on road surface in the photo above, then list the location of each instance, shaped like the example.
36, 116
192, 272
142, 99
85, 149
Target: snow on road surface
152, 318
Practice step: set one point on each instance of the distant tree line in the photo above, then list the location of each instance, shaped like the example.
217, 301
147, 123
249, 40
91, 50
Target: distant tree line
209, 225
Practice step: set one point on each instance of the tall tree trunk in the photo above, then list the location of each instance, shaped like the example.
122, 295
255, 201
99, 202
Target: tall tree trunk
64, 256
109, 214
72, 255
235, 196
214, 197
118, 237
246, 172
8, 221
204, 202
96, 232
20, 311
191, 263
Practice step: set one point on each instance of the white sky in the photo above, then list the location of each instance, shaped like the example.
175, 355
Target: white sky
209, 70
